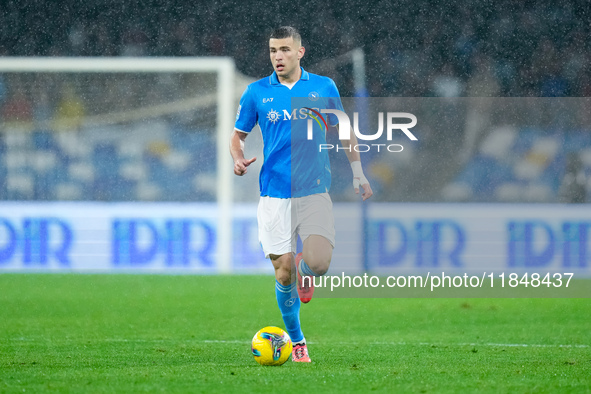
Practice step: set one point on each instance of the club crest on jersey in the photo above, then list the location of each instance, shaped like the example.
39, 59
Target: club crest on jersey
313, 96
273, 116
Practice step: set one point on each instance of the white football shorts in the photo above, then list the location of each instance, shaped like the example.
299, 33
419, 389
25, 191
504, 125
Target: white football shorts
281, 220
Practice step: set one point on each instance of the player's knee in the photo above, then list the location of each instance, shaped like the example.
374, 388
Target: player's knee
318, 262
283, 276
283, 272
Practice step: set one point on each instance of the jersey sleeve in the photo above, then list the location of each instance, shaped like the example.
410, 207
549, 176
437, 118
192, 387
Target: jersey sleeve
246, 117
334, 102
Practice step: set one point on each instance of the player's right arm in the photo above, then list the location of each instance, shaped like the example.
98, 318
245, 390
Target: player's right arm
246, 118
237, 152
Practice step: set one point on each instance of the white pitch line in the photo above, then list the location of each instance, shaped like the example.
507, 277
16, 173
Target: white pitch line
244, 342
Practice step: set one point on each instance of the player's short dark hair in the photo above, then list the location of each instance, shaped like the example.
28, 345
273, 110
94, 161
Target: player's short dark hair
286, 32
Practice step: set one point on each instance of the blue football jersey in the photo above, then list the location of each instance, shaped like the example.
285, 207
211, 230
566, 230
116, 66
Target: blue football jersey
293, 166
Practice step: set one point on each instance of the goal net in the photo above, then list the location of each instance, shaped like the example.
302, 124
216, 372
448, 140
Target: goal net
119, 129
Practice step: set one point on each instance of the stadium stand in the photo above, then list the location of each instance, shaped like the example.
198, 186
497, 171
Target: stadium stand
503, 48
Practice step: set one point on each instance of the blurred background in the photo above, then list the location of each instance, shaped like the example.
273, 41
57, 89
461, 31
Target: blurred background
146, 137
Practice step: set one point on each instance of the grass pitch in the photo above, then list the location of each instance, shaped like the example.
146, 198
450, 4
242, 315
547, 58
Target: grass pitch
136, 333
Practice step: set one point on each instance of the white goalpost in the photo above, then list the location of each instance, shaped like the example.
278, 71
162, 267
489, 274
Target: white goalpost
224, 97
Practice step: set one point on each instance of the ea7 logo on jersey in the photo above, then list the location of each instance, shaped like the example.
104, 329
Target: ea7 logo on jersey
267, 100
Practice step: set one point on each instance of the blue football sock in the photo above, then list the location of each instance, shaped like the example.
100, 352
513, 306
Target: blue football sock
305, 270
289, 305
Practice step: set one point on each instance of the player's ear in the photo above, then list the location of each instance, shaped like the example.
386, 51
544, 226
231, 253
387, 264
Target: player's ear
301, 52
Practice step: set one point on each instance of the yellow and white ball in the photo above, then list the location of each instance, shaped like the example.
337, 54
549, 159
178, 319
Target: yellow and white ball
271, 346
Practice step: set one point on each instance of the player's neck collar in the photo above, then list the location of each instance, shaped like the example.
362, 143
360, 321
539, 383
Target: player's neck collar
274, 80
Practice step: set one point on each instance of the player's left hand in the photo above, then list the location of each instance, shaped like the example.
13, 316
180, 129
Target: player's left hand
364, 183
359, 179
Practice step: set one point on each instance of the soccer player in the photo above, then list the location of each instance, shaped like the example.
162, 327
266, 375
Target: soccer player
290, 207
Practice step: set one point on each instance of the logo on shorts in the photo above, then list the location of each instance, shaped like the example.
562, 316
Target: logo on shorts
289, 303
273, 116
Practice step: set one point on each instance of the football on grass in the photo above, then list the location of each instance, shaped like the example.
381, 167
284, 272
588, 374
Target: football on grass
271, 346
